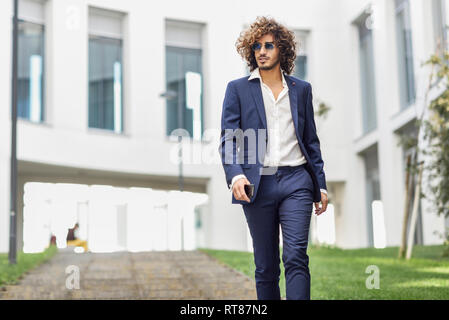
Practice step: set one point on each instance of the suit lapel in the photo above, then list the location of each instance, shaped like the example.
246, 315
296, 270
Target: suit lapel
256, 92
293, 95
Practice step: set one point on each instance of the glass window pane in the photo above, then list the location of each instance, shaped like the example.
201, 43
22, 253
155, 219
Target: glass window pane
405, 54
301, 67
180, 63
30, 87
439, 28
367, 77
300, 70
105, 84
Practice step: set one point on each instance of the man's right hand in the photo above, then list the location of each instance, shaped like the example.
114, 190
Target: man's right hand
238, 189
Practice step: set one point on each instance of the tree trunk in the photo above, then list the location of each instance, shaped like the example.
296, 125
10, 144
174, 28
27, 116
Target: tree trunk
406, 210
414, 213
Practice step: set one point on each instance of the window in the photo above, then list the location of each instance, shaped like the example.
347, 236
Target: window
439, 24
31, 44
372, 188
405, 53
184, 83
367, 75
105, 70
300, 70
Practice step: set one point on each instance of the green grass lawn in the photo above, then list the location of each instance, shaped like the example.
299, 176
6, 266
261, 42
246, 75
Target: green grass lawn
340, 274
9, 274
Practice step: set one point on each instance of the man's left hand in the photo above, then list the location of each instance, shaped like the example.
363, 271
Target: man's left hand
324, 201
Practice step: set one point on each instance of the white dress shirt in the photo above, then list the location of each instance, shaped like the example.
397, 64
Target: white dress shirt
282, 146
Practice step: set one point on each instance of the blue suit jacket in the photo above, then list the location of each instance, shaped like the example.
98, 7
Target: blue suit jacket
243, 109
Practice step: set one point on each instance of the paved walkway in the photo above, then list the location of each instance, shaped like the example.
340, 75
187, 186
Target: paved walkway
190, 275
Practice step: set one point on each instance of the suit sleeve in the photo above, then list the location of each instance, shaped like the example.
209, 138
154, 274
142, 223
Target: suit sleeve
311, 140
229, 137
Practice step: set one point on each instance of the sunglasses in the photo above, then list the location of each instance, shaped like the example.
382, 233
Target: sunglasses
257, 46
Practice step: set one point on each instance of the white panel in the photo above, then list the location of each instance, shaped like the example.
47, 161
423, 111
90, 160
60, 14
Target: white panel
105, 23
193, 93
183, 34
325, 226
117, 97
35, 87
121, 226
379, 232
32, 11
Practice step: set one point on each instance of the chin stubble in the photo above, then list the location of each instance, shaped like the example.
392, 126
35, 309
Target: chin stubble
269, 67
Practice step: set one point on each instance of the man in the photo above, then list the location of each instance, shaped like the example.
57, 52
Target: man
288, 173
73, 238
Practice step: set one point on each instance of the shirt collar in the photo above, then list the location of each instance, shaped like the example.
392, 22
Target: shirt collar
256, 74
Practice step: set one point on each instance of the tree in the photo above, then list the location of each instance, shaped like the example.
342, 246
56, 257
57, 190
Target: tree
433, 146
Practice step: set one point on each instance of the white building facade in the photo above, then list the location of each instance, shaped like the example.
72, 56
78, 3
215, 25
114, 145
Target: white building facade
91, 75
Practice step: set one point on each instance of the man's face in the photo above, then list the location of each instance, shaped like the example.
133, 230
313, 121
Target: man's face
267, 59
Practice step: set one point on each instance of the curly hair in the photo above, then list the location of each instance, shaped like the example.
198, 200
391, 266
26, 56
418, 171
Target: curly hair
284, 39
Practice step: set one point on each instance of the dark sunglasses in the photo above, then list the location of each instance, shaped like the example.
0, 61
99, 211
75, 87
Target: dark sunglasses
257, 46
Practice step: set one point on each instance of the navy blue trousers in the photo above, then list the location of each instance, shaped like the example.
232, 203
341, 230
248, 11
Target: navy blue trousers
284, 198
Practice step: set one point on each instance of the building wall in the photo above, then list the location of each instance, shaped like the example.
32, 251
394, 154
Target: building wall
143, 148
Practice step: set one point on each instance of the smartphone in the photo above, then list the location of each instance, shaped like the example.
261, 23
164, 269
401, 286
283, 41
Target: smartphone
249, 190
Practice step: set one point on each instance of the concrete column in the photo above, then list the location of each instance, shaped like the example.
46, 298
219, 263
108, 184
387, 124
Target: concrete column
5, 122
20, 207
66, 35
389, 154
4, 204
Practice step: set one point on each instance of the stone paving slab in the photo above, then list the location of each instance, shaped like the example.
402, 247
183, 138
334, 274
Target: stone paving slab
180, 275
